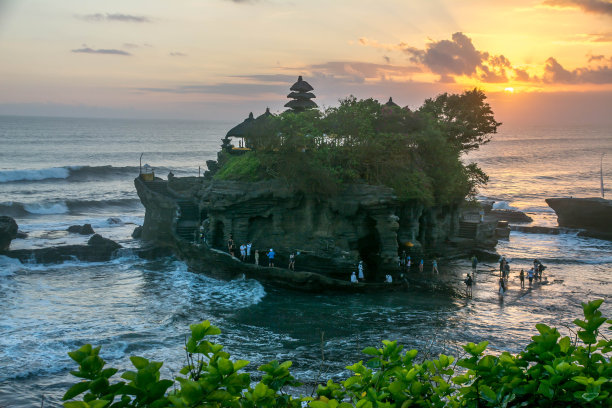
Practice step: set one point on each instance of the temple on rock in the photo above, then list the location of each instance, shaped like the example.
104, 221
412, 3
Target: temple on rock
301, 97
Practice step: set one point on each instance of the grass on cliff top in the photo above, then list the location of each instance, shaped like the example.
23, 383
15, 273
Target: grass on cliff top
246, 167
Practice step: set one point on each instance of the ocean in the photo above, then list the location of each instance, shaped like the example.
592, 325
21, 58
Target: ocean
57, 172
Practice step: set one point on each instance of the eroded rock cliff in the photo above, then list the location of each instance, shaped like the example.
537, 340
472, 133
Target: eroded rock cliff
331, 234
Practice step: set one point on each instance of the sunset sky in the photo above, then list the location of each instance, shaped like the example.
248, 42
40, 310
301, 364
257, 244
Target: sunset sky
539, 61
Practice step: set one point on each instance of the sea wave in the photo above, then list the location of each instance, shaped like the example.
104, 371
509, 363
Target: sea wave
17, 209
503, 205
70, 173
9, 266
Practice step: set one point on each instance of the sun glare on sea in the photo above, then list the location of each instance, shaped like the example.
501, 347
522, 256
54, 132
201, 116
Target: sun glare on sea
509, 90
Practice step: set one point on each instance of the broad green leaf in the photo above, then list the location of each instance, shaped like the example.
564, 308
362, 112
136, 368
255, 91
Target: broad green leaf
371, 351
76, 389
139, 362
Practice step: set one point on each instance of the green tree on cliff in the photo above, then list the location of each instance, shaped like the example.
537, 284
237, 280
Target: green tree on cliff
361, 141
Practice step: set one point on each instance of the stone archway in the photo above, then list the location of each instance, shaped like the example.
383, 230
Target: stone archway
218, 235
369, 249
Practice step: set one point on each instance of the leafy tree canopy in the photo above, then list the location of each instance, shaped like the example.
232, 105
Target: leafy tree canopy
361, 141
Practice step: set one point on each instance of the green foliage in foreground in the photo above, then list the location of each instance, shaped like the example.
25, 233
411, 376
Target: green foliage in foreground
552, 371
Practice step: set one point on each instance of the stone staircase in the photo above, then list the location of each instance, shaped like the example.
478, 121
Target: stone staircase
468, 229
188, 223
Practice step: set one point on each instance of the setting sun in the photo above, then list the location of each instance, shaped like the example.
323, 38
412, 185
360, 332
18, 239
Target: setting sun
509, 90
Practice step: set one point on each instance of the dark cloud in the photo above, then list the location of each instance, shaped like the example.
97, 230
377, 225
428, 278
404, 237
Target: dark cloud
356, 71
177, 54
125, 18
458, 57
130, 45
279, 78
590, 6
555, 73
387, 59
596, 58
111, 51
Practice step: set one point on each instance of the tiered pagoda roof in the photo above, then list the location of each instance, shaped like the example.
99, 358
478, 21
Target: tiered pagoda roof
301, 96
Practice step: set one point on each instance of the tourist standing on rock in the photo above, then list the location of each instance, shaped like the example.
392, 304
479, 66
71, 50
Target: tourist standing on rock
248, 251
421, 265
468, 285
522, 278
434, 267
360, 268
292, 262
474, 262
230, 245
243, 252
257, 257
502, 263
271, 255
353, 278
408, 263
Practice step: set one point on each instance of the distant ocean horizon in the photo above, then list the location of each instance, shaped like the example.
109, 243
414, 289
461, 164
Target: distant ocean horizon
56, 172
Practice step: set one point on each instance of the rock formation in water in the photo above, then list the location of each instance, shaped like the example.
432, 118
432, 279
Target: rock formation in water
331, 234
85, 229
592, 214
98, 249
8, 231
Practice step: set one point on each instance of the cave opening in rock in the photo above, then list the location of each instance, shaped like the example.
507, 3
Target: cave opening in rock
218, 237
369, 249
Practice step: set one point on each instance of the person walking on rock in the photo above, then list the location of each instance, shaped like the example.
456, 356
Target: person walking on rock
530, 275
360, 268
522, 278
292, 261
248, 251
271, 255
434, 267
474, 262
468, 285
243, 252
257, 257
421, 265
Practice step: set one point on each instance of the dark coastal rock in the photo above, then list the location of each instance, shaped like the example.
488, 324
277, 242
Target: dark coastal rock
84, 229
98, 249
104, 244
331, 233
510, 215
137, 233
592, 214
114, 220
21, 235
8, 231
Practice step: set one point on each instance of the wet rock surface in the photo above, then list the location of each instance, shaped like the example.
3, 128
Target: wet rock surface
8, 231
98, 249
85, 229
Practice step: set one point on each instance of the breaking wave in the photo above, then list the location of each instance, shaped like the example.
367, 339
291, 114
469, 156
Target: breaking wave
16, 209
70, 173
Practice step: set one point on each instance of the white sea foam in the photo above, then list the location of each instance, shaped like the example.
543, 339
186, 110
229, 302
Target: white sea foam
46, 208
503, 205
9, 266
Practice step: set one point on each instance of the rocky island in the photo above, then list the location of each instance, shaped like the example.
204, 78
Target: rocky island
363, 182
